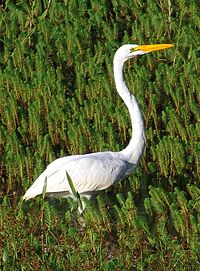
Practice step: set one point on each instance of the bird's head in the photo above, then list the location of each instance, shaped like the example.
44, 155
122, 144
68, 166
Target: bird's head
128, 51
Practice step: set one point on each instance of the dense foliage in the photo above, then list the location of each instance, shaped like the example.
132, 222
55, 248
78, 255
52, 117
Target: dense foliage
57, 97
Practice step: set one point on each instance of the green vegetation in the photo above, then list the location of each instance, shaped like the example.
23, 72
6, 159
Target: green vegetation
57, 97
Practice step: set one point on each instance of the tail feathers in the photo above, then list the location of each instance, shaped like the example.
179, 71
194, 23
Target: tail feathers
30, 194
35, 190
54, 184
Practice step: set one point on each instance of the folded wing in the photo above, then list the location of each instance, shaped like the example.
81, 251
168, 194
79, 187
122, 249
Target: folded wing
90, 172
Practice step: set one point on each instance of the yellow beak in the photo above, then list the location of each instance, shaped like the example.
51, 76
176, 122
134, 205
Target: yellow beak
152, 47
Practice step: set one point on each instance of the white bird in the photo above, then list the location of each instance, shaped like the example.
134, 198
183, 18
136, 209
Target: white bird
93, 172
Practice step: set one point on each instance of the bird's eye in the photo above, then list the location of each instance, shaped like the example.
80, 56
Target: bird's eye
133, 49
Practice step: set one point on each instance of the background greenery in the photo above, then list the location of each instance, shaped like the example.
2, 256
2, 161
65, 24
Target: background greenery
57, 97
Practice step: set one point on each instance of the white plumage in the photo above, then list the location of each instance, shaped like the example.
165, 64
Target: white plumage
93, 172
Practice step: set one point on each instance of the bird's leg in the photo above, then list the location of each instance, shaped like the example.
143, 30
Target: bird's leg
83, 200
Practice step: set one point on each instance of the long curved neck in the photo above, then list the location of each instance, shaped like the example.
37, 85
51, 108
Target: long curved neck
136, 145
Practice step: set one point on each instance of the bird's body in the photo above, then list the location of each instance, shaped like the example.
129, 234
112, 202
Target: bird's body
93, 172
106, 169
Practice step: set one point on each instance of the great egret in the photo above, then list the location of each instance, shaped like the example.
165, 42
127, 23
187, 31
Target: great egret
93, 172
